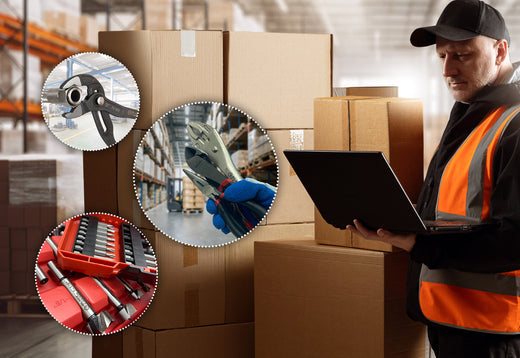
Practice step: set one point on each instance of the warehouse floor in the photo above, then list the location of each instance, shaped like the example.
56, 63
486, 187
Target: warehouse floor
194, 229
86, 135
42, 338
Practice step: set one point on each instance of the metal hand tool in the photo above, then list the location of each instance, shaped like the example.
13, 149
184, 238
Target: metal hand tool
42, 277
198, 162
136, 294
96, 323
229, 211
206, 138
83, 94
53, 246
124, 311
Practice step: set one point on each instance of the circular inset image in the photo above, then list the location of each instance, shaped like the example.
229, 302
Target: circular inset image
96, 274
90, 101
205, 174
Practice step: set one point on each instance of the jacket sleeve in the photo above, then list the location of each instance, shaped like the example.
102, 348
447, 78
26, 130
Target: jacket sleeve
496, 250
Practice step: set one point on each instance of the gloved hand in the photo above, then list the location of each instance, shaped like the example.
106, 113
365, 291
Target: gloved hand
243, 190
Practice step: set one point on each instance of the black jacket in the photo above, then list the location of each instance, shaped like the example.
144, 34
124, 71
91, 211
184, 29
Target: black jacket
493, 251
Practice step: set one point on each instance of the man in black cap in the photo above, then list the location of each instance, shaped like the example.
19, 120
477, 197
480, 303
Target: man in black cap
466, 287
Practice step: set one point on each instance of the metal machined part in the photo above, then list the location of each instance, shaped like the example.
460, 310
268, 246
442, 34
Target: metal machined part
136, 294
42, 277
53, 246
97, 323
124, 311
70, 97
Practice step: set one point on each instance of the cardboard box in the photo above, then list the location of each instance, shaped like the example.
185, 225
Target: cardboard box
315, 300
208, 286
128, 206
88, 30
381, 91
274, 77
391, 125
17, 238
172, 68
192, 285
230, 341
239, 267
100, 180
292, 204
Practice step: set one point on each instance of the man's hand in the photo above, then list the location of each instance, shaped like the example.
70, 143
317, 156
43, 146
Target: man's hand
405, 242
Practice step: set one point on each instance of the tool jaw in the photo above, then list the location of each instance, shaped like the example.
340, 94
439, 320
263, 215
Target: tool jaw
205, 138
202, 184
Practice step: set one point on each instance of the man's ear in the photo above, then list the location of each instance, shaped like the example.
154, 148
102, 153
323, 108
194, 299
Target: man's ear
502, 51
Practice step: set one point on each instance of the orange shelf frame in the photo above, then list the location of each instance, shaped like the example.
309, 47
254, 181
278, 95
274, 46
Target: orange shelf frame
8, 108
50, 47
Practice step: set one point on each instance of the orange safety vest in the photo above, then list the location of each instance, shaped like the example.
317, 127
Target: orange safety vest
473, 301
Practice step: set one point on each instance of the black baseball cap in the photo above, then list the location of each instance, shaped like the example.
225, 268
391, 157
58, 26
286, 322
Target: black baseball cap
463, 20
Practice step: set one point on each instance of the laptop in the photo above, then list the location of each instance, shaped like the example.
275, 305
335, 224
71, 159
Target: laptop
361, 185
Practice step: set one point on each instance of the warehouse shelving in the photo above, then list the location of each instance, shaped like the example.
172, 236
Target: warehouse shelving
49, 47
235, 129
152, 188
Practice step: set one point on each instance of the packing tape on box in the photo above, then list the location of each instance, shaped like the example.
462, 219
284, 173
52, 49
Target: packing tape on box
188, 43
296, 142
191, 305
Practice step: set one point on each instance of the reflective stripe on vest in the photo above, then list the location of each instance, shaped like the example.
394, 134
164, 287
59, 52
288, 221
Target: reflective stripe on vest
473, 301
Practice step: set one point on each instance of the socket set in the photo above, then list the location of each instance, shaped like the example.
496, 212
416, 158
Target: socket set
104, 245
83, 299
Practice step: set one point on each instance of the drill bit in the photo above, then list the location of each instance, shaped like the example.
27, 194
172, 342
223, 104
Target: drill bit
124, 311
136, 294
96, 323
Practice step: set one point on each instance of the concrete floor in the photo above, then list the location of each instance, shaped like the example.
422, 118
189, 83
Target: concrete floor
41, 338
193, 229
86, 135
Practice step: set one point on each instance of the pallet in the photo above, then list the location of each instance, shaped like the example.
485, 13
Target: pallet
265, 158
192, 211
21, 306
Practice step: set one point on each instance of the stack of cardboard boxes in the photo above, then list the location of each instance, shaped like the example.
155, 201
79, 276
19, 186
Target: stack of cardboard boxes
315, 299
207, 294
192, 197
28, 212
305, 297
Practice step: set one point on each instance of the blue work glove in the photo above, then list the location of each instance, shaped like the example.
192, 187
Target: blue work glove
243, 190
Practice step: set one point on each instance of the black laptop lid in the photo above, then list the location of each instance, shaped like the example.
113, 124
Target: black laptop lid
355, 185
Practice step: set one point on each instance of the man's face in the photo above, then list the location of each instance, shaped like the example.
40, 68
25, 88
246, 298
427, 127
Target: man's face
468, 66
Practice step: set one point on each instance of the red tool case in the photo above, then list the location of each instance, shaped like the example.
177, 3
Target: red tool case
78, 267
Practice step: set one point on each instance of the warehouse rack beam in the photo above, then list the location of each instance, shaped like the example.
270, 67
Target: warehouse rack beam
112, 7
50, 47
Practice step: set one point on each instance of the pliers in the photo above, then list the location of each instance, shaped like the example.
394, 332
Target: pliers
84, 93
205, 138
213, 172
230, 212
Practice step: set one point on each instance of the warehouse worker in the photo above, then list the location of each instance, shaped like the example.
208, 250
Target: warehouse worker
466, 287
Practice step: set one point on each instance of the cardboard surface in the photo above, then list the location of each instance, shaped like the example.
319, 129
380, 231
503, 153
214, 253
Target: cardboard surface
239, 267
191, 288
391, 125
375, 91
315, 300
219, 341
207, 286
292, 204
166, 79
100, 180
274, 77
128, 204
